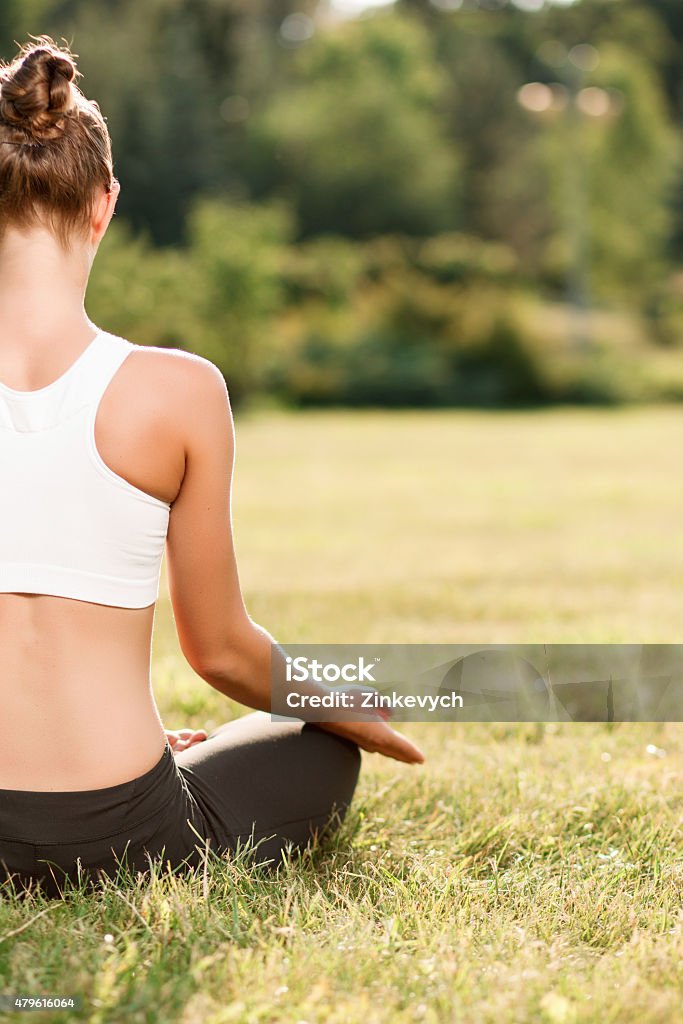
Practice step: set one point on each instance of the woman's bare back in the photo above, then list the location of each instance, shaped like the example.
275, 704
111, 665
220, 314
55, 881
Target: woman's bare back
75, 688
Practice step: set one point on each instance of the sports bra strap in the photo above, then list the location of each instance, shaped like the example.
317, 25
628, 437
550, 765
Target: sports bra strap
81, 385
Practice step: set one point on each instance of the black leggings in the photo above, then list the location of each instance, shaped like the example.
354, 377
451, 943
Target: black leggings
266, 784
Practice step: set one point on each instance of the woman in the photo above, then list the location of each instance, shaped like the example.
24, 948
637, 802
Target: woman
110, 452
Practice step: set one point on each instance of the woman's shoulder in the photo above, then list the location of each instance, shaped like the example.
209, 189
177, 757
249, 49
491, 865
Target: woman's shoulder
176, 371
174, 360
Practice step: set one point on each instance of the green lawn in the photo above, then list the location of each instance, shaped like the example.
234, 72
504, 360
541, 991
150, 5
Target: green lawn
522, 874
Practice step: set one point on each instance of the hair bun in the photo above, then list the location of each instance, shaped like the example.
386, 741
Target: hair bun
35, 90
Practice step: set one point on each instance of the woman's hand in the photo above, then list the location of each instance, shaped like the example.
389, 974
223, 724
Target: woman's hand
369, 729
181, 739
377, 738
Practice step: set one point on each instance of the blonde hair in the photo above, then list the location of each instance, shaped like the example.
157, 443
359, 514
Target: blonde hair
55, 149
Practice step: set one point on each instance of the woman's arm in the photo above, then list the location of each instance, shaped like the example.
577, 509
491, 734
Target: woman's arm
219, 639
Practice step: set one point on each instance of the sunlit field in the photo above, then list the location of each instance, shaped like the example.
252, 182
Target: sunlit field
523, 873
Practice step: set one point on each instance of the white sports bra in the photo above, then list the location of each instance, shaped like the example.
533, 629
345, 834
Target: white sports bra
69, 525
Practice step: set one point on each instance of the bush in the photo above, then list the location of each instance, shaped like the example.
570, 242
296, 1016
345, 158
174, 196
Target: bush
415, 331
139, 292
395, 321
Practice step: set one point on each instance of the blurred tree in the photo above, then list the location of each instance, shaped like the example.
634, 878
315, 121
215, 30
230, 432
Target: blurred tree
504, 193
355, 141
405, 121
234, 275
622, 163
650, 29
165, 73
217, 296
670, 65
139, 291
630, 250
17, 17
8, 22
155, 83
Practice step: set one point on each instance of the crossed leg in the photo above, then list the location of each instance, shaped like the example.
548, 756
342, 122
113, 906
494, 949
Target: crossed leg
276, 783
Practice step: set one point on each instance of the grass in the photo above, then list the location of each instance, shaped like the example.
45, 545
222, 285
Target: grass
524, 874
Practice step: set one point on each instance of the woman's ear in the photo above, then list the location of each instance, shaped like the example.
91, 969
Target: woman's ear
104, 211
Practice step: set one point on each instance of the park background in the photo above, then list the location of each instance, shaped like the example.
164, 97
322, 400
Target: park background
436, 249
440, 202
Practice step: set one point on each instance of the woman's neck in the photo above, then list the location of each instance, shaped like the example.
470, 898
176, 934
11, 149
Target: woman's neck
42, 290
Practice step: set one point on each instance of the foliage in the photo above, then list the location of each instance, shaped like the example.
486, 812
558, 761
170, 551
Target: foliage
217, 295
363, 211
354, 136
234, 275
